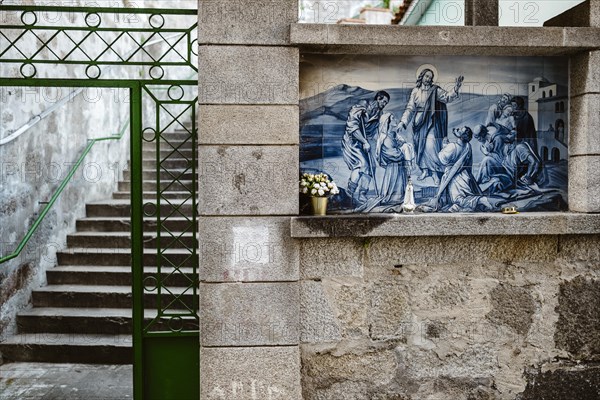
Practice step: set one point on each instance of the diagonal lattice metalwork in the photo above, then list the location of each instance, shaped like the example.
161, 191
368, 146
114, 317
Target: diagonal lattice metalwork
173, 134
91, 40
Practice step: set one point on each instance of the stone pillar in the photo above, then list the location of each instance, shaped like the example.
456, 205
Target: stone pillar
584, 114
248, 189
584, 14
594, 13
481, 13
584, 136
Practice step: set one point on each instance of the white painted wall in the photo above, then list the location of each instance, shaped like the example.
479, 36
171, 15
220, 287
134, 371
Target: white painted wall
532, 13
512, 12
441, 12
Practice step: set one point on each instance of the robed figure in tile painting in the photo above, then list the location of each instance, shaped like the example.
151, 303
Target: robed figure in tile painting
361, 126
395, 156
427, 110
459, 191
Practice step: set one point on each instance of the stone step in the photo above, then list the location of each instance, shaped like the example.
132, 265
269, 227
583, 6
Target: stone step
165, 184
113, 321
113, 256
178, 134
122, 208
99, 296
123, 224
122, 240
172, 137
166, 151
114, 275
168, 164
152, 195
84, 314
180, 174
68, 348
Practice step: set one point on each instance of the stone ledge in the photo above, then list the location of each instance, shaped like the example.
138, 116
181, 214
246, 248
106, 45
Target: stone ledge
448, 40
476, 224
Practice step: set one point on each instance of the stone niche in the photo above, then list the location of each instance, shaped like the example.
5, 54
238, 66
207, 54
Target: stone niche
516, 152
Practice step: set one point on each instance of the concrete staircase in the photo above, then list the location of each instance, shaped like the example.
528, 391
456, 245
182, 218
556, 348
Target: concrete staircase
84, 313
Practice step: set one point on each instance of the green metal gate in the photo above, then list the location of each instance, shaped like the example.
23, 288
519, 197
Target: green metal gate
149, 54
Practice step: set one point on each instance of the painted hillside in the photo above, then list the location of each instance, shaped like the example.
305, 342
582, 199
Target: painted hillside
322, 125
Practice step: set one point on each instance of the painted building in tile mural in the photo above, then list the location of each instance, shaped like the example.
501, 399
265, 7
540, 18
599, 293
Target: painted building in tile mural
469, 134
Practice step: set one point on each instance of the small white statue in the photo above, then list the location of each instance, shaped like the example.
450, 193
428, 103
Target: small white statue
409, 198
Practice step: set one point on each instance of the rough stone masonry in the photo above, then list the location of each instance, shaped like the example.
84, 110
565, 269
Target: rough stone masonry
450, 318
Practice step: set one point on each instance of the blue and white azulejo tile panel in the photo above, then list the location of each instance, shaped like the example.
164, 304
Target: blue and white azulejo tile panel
466, 134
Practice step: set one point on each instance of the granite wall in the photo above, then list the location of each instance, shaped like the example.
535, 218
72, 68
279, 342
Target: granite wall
248, 152
462, 317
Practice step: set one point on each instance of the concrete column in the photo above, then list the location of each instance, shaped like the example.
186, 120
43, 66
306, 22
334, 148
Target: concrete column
584, 14
584, 117
584, 136
481, 12
249, 162
594, 13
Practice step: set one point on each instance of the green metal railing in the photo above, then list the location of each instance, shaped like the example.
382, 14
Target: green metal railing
62, 102
86, 42
59, 191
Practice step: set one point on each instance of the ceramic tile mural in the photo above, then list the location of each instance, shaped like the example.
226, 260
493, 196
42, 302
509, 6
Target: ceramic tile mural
465, 134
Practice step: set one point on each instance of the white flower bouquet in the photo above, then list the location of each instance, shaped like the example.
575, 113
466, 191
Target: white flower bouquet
318, 185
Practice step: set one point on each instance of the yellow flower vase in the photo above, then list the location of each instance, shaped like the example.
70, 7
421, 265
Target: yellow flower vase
319, 205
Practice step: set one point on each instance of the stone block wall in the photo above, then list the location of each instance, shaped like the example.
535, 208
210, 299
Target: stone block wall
459, 317
584, 145
584, 142
248, 154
